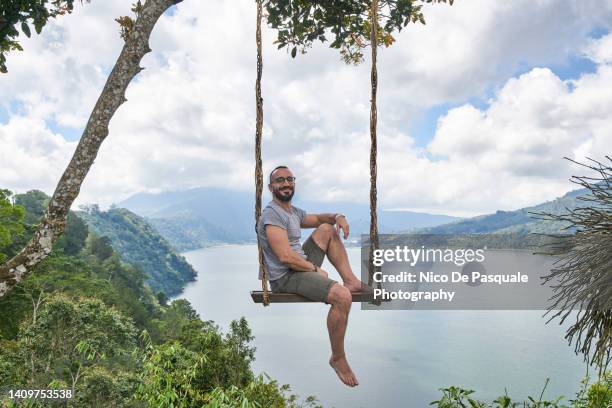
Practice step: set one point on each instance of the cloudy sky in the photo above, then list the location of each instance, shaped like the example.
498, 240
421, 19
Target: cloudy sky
476, 109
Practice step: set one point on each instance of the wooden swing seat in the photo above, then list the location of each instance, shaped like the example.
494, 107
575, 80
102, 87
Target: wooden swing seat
280, 297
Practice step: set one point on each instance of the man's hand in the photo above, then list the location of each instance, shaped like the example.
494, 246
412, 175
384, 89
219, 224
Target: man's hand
342, 224
322, 272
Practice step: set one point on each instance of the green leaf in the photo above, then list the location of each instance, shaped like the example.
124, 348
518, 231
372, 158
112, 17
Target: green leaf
26, 29
39, 24
293, 52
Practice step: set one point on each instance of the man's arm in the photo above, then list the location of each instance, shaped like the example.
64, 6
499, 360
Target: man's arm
314, 220
279, 242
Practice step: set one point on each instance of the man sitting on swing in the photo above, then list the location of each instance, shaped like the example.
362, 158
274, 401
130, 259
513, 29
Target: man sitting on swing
295, 268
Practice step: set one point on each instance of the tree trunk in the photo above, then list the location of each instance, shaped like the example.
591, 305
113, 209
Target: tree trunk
113, 95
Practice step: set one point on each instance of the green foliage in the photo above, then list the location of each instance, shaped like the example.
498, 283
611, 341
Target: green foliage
172, 377
100, 247
72, 324
112, 282
9, 362
70, 335
300, 23
18, 15
74, 237
35, 203
101, 387
173, 320
81, 344
102, 275
457, 397
11, 222
259, 393
239, 397
162, 298
168, 376
198, 365
138, 243
596, 395
229, 356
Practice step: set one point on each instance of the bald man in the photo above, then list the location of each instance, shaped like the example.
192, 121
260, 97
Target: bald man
296, 268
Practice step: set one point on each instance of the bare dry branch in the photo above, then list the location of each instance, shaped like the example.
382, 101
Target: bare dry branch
584, 268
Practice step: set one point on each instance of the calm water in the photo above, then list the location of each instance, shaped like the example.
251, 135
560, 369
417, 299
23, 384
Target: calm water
400, 357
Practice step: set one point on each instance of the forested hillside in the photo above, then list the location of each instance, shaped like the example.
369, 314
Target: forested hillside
86, 322
139, 244
135, 241
520, 221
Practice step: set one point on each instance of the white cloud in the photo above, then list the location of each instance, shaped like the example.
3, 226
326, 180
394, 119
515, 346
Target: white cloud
189, 119
517, 143
600, 50
31, 155
61, 72
472, 46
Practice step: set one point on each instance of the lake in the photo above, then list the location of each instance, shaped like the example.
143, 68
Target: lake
401, 357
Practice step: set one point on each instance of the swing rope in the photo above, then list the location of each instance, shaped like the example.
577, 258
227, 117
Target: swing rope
258, 166
373, 142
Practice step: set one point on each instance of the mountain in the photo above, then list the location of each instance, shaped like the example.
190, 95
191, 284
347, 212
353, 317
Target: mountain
518, 221
138, 243
199, 217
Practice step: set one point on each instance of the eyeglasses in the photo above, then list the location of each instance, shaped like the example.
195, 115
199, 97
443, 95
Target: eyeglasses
281, 180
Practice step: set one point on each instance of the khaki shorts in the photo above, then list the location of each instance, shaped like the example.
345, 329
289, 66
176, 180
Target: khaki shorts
311, 285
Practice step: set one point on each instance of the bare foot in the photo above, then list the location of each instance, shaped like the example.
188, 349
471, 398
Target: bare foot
342, 368
358, 286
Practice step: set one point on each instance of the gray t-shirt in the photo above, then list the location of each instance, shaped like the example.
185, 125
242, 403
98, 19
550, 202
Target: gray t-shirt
274, 214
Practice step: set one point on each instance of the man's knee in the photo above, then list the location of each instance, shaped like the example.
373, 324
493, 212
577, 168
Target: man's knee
323, 235
327, 230
340, 296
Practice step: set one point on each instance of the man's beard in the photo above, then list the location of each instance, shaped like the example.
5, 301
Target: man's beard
285, 198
